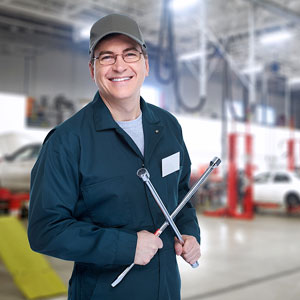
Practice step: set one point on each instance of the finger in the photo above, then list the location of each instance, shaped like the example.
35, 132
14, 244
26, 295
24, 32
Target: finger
190, 260
190, 243
192, 256
188, 246
178, 247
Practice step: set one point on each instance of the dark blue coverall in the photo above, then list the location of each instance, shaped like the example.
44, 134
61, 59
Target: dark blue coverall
87, 203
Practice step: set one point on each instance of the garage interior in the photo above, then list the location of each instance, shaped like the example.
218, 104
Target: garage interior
228, 70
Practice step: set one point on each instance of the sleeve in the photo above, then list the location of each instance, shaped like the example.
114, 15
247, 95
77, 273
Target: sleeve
52, 226
186, 219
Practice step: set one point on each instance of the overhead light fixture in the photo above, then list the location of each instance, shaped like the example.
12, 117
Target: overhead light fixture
252, 69
275, 37
81, 34
84, 33
294, 81
190, 56
178, 5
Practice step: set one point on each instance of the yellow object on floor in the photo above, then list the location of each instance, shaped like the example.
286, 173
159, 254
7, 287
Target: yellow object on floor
31, 272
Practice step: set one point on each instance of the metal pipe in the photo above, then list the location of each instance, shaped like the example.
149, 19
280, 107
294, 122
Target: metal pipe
203, 51
278, 9
251, 57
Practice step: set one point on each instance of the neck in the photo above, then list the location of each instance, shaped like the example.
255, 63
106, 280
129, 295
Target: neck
123, 110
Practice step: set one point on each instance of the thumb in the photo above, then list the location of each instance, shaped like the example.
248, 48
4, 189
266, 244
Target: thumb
160, 243
177, 246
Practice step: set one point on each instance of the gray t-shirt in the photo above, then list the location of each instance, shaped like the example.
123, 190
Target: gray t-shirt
134, 129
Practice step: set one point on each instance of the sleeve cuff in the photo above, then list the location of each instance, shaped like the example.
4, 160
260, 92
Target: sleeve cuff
126, 246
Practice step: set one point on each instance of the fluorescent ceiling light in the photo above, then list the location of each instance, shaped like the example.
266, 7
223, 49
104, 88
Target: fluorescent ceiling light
294, 81
275, 37
84, 33
178, 5
190, 56
252, 69
81, 34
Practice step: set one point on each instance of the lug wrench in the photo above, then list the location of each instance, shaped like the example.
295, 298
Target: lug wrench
145, 176
212, 165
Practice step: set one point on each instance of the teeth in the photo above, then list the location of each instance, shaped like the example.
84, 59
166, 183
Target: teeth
120, 79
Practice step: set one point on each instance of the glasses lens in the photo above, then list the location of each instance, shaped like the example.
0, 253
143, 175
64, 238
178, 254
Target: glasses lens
131, 56
106, 59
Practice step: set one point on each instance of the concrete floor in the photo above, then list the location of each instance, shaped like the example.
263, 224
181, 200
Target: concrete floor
241, 260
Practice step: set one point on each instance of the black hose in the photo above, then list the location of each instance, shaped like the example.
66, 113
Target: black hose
176, 85
165, 55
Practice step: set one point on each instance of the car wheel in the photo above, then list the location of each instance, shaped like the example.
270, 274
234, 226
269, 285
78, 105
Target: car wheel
292, 200
24, 212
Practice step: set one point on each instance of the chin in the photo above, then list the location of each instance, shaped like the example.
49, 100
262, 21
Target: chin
123, 96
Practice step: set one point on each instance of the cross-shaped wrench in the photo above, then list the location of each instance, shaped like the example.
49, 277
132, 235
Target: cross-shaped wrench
212, 165
145, 176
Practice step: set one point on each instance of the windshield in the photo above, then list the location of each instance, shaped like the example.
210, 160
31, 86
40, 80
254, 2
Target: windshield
29, 152
262, 178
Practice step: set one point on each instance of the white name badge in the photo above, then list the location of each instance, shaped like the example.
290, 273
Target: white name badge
170, 164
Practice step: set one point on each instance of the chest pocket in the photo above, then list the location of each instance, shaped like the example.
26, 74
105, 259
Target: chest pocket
108, 202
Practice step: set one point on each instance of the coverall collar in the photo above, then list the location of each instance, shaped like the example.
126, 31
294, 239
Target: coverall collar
103, 119
152, 126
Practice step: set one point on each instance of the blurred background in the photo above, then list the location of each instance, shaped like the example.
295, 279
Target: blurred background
228, 70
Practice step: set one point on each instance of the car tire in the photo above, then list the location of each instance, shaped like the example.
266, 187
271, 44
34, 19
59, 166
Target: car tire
292, 200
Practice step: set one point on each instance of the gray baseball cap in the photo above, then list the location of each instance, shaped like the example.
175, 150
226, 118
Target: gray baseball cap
115, 23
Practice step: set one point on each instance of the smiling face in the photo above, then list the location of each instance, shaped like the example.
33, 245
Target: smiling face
120, 81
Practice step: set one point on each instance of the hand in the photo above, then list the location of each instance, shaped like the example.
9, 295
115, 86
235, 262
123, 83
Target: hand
146, 247
190, 250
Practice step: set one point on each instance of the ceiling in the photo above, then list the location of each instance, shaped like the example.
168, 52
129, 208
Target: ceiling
30, 25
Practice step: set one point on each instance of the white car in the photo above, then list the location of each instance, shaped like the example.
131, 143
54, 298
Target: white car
281, 188
15, 168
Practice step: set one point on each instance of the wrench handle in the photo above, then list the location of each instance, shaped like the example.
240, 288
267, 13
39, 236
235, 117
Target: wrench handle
195, 265
122, 275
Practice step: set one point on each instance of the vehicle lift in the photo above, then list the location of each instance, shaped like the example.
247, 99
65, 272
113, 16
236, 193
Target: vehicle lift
291, 165
12, 202
232, 181
291, 157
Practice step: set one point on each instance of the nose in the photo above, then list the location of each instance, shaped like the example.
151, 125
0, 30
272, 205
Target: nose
120, 65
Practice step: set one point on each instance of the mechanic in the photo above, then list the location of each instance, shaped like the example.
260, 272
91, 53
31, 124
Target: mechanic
87, 204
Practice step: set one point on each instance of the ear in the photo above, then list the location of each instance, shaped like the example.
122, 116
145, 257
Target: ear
147, 66
92, 71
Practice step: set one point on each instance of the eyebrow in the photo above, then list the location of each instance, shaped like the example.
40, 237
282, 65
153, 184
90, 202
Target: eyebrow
111, 52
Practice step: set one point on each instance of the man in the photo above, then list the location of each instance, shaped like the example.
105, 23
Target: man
88, 205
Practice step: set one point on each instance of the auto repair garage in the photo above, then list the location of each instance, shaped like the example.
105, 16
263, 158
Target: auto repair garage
228, 71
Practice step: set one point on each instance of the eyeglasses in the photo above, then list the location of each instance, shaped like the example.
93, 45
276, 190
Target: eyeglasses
129, 56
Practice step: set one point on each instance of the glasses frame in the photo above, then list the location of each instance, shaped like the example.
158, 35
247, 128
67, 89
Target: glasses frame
120, 54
